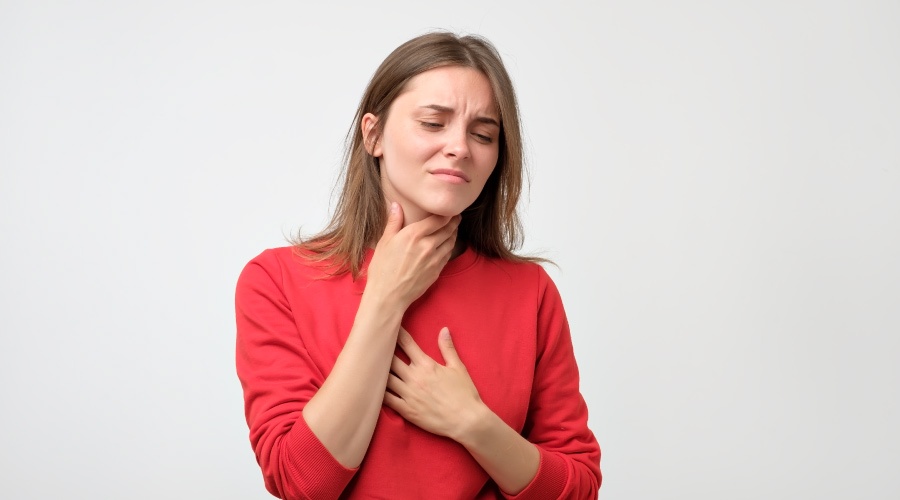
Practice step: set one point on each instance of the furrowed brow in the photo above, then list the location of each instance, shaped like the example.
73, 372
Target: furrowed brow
488, 120
444, 109
438, 108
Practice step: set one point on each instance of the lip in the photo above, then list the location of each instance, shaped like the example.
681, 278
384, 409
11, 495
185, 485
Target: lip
449, 171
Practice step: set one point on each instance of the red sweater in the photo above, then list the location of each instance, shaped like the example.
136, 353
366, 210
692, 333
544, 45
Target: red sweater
510, 331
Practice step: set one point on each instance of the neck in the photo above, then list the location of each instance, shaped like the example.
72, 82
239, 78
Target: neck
458, 248
413, 214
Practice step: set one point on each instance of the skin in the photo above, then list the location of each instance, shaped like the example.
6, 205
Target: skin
437, 147
444, 121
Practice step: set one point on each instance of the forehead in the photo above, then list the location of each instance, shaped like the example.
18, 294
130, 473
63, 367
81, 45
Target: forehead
460, 88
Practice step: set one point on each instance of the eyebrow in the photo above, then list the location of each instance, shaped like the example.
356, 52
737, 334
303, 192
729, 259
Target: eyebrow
445, 109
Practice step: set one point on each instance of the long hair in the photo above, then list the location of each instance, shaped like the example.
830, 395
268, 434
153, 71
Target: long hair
491, 225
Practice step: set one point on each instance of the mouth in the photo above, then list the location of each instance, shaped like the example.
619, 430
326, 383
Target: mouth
451, 174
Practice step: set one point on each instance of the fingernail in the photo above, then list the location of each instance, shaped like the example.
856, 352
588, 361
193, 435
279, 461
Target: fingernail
393, 207
445, 333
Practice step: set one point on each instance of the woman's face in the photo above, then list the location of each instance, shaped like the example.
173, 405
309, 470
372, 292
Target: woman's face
439, 144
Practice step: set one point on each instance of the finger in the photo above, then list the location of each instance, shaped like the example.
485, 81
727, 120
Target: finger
431, 224
409, 346
395, 220
394, 402
446, 246
448, 350
395, 385
446, 233
399, 368
443, 241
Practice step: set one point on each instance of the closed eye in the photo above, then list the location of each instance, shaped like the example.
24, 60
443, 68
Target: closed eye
484, 138
431, 125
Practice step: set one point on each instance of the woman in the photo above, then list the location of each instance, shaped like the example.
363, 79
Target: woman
406, 351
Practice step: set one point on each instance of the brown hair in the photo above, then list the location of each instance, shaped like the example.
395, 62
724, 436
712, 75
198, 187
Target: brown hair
491, 224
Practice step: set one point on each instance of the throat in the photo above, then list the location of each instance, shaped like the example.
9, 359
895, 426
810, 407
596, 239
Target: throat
458, 248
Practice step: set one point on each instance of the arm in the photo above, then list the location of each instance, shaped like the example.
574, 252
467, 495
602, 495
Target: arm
278, 377
451, 407
310, 432
343, 412
557, 415
555, 457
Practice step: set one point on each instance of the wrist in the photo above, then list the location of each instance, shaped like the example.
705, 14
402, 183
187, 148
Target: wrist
376, 300
382, 314
474, 424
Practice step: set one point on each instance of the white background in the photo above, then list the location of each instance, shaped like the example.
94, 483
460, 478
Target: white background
719, 183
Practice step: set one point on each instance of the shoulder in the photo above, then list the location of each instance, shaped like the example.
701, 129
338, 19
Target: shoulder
270, 256
285, 257
523, 272
270, 259
522, 276
275, 263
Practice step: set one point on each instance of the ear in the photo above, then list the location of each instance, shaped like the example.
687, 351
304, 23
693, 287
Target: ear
368, 124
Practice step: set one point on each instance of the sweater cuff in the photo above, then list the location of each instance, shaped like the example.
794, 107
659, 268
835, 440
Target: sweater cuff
313, 466
549, 482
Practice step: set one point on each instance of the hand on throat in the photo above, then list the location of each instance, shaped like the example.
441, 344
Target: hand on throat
413, 214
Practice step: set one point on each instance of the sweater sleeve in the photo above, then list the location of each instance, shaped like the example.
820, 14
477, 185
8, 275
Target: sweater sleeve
278, 379
557, 416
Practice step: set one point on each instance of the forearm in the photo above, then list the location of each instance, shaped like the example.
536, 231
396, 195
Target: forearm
407, 260
343, 412
510, 459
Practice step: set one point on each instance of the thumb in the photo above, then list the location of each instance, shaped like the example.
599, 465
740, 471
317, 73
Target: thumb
448, 350
395, 220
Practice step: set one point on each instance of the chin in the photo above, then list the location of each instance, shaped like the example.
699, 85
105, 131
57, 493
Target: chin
446, 212
445, 209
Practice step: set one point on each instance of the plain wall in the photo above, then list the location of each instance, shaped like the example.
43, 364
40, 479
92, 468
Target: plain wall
719, 183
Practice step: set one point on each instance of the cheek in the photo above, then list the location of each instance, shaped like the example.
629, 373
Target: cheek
488, 165
481, 183
408, 143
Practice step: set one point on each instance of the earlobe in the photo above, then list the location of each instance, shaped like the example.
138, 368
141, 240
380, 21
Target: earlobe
369, 133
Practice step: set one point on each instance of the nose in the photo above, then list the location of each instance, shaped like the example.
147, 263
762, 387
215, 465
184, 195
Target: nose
457, 145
